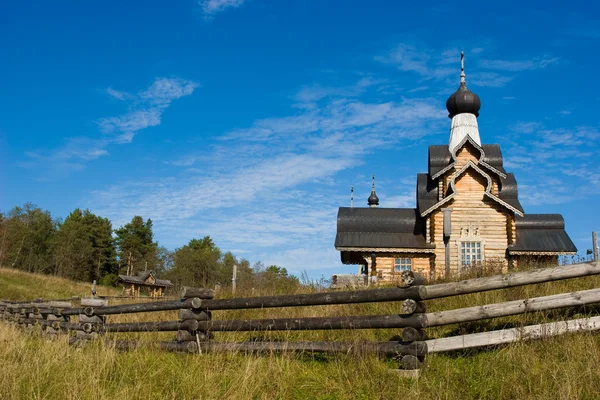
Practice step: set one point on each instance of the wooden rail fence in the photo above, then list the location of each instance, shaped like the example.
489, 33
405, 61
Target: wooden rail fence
195, 326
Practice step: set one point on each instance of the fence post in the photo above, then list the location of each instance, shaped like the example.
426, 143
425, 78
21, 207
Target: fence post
95, 322
187, 337
411, 364
55, 318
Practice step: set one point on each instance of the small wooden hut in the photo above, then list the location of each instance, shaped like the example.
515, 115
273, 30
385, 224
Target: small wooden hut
145, 283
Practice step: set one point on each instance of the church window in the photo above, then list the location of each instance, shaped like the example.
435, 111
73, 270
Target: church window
470, 253
402, 264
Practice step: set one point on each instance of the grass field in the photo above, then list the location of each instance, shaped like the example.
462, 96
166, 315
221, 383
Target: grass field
34, 368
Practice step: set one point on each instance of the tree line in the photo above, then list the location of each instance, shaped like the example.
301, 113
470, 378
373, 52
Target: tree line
85, 247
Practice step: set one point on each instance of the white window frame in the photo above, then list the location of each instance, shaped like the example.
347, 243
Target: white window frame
474, 252
401, 264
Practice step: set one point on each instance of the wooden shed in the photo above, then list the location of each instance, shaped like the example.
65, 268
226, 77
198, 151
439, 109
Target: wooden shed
144, 284
467, 213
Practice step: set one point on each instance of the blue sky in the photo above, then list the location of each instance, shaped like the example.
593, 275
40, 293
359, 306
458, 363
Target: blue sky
249, 120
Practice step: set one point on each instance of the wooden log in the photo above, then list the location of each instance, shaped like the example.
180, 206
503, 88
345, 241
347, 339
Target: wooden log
414, 292
512, 308
187, 336
315, 299
284, 324
197, 315
385, 348
410, 361
58, 304
187, 347
411, 278
52, 317
194, 303
413, 335
95, 319
94, 303
513, 335
411, 306
163, 326
509, 280
188, 292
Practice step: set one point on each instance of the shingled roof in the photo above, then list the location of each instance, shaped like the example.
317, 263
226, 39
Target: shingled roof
509, 193
541, 233
374, 229
142, 279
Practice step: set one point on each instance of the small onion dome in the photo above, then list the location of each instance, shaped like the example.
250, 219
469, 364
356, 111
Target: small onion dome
373, 199
463, 101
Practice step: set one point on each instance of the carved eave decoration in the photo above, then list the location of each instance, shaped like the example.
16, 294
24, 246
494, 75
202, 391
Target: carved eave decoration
480, 160
488, 189
385, 250
540, 253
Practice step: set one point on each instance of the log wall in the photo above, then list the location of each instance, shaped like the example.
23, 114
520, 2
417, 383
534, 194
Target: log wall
421, 263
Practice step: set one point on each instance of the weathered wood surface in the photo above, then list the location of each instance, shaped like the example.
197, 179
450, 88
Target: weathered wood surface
387, 348
94, 303
509, 280
315, 323
512, 335
512, 308
187, 336
193, 303
56, 304
410, 361
197, 315
162, 326
413, 335
411, 278
410, 306
187, 347
188, 292
95, 319
415, 321
315, 299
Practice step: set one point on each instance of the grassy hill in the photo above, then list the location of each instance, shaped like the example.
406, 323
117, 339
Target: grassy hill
565, 367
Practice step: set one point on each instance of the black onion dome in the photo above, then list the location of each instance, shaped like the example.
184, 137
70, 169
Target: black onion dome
373, 199
463, 101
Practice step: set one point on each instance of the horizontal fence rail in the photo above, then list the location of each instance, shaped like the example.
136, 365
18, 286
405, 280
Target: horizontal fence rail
512, 335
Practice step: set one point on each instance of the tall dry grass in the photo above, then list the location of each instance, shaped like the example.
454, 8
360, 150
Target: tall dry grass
563, 367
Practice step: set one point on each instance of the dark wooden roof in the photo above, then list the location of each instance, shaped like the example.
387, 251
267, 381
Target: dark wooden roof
542, 233
380, 228
440, 158
509, 192
427, 193
142, 279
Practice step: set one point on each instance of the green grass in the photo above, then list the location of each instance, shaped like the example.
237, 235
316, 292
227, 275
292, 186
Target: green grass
565, 367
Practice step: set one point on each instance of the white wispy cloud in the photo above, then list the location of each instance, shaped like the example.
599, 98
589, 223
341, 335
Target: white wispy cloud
117, 94
212, 7
270, 190
437, 64
518, 65
553, 165
146, 108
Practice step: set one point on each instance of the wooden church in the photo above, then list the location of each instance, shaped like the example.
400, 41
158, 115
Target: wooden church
468, 213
